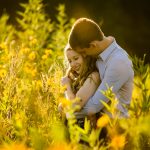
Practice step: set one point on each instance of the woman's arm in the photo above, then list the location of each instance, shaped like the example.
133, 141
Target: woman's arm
68, 93
88, 89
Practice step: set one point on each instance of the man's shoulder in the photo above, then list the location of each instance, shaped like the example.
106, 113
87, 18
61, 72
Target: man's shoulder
119, 55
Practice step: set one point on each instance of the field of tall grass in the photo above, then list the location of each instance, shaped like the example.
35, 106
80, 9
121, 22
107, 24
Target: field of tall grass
31, 66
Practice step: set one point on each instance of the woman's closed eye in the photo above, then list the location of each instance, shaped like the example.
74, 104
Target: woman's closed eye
76, 58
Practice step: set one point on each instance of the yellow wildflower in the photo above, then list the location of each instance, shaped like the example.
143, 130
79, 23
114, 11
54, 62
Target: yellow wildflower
118, 141
3, 46
38, 84
103, 121
3, 73
48, 51
4, 58
34, 41
33, 72
65, 102
26, 69
15, 146
44, 57
49, 81
11, 54
32, 56
61, 146
24, 50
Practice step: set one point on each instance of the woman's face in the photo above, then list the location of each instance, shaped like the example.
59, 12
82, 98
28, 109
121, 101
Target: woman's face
75, 60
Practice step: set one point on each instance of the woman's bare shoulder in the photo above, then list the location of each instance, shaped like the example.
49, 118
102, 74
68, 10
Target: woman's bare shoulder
95, 76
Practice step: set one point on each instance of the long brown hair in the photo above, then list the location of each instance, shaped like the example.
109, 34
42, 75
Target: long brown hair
77, 80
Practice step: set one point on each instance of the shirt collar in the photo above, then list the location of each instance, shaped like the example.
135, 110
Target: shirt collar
104, 55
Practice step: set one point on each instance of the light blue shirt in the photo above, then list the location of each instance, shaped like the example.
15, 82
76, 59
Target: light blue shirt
116, 71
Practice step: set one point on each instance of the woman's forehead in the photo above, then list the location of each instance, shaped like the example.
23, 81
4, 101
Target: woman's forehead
72, 53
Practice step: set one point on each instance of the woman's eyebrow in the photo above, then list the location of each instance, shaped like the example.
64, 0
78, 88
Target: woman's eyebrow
77, 55
73, 57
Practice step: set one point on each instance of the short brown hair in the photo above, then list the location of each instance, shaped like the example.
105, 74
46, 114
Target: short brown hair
83, 32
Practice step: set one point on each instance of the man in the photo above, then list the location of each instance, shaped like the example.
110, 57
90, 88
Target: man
114, 66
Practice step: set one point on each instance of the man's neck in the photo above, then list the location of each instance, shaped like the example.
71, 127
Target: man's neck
102, 45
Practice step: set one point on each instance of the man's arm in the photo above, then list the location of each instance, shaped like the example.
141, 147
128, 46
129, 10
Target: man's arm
86, 90
116, 74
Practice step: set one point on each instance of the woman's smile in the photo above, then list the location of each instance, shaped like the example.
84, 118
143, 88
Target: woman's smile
75, 61
77, 69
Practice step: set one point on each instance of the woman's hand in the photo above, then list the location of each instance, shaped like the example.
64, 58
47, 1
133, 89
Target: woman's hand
60, 108
65, 81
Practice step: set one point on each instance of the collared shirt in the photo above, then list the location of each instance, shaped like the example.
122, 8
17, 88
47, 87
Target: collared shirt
116, 71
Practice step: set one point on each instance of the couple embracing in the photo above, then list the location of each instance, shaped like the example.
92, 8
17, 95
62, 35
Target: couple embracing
96, 62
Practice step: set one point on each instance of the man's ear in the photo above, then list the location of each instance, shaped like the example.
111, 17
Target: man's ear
84, 55
93, 44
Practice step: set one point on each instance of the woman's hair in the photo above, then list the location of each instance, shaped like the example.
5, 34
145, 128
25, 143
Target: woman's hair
77, 80
83, 32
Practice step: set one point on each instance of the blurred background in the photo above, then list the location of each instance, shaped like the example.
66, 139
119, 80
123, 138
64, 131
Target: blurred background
127, 20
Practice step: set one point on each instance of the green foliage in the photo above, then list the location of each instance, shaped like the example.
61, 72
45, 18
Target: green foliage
141, 86
59, 37
6, 30
31, 66
34, 23
62, 27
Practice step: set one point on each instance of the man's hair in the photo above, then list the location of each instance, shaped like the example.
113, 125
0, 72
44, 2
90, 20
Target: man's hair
83, 32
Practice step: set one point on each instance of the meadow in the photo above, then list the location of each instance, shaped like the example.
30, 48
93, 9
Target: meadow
31, 66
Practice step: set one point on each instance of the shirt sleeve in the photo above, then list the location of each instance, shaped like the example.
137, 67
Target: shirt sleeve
116, 74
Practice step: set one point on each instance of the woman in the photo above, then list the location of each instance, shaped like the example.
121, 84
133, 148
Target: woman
82, 77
